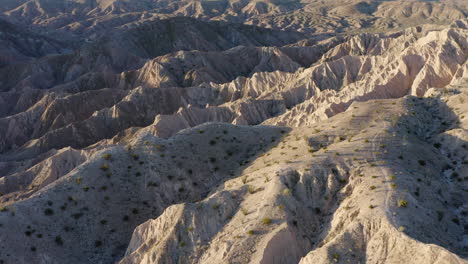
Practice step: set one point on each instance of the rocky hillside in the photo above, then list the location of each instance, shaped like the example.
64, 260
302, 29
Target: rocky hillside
233, 131
89, 17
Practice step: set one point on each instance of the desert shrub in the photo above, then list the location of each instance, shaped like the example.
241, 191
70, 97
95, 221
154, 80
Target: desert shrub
59, 240
105, 167
402, 203
250, 232
372, 187
107, 156
244, 179
440, 215
266, 221
152, 184
77, 215
48, 211
336, 256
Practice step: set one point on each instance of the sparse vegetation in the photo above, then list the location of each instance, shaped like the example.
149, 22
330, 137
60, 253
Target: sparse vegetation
252, 189
402, 203
266, 221
105, 167
49, 211
58, 240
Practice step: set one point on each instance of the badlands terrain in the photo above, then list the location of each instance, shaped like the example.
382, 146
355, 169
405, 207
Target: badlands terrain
233, 131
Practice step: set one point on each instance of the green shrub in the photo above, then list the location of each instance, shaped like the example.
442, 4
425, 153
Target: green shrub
105, 167
244, 179
402, 203
266, 221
